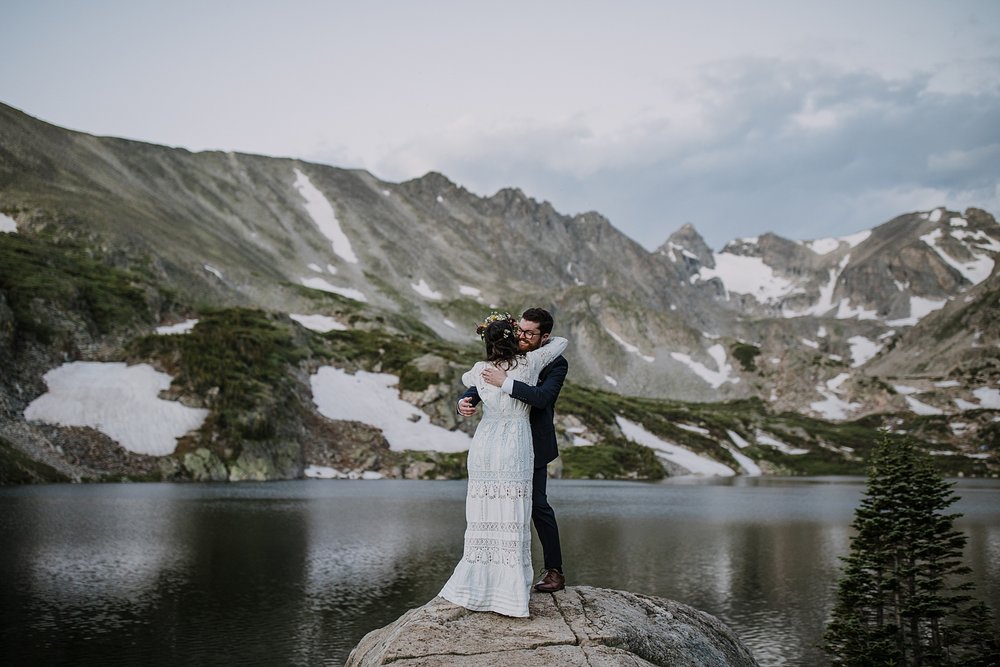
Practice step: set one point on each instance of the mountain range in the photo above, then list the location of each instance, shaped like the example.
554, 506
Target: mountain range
887, 325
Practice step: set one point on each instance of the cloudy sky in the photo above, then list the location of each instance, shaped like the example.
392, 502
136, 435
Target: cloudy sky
806, 119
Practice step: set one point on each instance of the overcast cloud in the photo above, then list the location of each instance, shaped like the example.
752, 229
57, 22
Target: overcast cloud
738, 117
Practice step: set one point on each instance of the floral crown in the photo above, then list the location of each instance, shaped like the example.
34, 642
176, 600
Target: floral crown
496, 317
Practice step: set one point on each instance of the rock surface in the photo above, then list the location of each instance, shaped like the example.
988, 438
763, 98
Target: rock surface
578, 626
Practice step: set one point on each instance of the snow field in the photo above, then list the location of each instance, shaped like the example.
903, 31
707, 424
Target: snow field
372, 398
118, 400
7, 225
748, 275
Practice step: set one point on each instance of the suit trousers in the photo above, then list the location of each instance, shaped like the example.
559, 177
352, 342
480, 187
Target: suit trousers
544, 519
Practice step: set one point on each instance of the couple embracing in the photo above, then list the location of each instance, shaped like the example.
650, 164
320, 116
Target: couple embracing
517, 384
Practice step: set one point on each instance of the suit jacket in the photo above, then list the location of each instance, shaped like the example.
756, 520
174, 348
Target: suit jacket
542, 399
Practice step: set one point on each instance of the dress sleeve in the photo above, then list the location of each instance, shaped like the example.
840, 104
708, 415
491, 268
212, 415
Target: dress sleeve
469, 377
546, 353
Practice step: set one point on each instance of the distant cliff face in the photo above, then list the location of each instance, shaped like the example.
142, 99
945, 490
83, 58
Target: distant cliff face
900, 318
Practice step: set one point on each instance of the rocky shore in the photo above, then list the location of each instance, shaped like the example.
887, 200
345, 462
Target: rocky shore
577, 626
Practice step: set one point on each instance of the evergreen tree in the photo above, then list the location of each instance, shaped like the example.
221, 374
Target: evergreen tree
902, 599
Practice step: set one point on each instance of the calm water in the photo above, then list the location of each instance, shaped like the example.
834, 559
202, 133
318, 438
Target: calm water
297, 572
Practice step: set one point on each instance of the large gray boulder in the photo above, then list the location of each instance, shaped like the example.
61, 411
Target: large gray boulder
578, 626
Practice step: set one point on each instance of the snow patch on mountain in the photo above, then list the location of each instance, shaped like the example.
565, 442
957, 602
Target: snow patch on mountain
320, 323
629, 347
120, 401
975, 270
321, 284
750, 468
424, 290
748, 275
700, 430
833, 407
989, 398
828, 245
326, 472
765, 439
372, 398
716, 378
825, 302
319, 209
920, 307
862, 350
845, 311
7, 225
673, 248
738, 439
822, 246
697, 465
179, 328
474, 292
856, 239
922, 408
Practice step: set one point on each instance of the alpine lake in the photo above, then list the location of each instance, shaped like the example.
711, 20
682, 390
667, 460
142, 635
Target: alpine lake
297, 572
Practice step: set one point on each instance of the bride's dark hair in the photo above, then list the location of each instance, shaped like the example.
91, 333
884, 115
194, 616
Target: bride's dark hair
501, 343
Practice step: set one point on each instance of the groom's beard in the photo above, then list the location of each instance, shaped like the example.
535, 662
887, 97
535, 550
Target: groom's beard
526, 346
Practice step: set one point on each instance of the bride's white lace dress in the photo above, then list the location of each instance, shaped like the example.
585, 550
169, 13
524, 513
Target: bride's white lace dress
495, 572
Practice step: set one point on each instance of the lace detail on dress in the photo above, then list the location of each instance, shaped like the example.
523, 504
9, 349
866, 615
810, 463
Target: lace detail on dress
500, 526
495, 489
486, 551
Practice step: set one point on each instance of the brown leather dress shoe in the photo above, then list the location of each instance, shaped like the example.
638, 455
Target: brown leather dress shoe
552, 581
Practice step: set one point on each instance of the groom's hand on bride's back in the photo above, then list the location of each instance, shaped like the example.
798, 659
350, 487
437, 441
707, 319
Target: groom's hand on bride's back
466, 407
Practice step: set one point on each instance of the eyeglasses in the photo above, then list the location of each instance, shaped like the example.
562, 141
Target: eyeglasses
528, 334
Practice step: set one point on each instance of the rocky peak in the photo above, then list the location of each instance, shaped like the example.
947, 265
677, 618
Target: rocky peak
432, 184
512, 203
688, 244
980, 219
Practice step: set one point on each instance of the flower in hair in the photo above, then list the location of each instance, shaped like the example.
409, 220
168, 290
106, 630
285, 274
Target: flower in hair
496, 317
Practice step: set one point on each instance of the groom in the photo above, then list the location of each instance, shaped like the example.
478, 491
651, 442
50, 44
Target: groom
533, 332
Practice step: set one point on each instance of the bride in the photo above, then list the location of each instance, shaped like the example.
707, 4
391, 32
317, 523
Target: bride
495, 572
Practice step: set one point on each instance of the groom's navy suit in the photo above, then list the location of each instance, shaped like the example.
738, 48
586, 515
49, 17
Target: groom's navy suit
542, 399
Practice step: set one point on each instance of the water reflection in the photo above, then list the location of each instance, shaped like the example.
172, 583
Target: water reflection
297, 572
